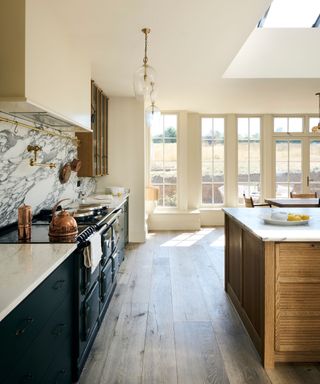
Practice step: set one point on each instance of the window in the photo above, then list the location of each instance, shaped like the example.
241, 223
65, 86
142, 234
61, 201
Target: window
297, 160
288, 167
313, 121
163, 159
291, 14
249, 179
212, 140
288, 124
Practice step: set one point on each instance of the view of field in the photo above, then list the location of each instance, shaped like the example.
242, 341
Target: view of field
288, 169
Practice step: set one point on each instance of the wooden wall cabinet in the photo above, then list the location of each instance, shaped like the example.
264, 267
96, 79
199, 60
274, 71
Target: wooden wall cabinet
93, 146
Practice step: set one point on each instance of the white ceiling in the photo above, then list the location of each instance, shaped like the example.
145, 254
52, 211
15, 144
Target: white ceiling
191, 46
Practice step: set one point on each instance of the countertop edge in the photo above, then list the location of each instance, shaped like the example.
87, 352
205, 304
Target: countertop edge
14, 303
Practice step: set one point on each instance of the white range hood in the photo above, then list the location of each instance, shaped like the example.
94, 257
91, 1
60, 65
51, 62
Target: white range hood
44, 78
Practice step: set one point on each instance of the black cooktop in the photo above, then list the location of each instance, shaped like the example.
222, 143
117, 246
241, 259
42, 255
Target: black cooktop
40, 227
39, 234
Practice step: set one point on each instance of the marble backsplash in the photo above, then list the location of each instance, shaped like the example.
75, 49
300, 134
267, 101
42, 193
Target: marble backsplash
33, 185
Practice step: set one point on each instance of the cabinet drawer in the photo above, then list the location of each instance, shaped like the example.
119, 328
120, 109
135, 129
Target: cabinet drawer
45, 347
24, 323
59, 371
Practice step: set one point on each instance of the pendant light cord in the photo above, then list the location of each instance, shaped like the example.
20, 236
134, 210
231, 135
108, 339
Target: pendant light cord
146, 31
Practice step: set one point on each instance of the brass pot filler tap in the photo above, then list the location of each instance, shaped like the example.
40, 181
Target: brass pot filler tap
36, 149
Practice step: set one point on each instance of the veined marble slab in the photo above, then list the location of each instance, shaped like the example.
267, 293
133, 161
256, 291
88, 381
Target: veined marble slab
251, 218
24, 267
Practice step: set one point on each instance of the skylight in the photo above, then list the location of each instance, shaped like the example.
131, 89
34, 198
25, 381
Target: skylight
292, 14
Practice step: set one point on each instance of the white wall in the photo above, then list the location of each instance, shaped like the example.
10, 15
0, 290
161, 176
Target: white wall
126, 159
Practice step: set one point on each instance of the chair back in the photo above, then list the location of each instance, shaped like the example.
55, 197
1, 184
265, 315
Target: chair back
248, 201
303, 195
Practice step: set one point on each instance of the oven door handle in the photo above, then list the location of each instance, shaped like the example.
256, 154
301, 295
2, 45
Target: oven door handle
103, 229
115, 214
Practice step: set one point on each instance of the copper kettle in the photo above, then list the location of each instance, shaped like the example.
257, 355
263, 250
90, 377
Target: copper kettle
63, 226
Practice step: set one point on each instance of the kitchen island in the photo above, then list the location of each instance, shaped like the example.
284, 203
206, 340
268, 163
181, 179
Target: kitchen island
272, 276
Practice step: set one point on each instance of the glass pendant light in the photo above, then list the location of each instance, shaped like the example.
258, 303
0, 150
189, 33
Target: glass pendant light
152, 112
152, 115
316, 128
145, 75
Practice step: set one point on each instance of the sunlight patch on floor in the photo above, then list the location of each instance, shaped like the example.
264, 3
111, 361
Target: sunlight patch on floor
218, 242
187, 239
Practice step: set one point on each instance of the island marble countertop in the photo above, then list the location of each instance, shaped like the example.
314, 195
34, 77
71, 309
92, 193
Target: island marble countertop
24, 267
251, 218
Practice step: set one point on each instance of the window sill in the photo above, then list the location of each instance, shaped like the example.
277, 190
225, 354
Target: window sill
175, 211
217, 208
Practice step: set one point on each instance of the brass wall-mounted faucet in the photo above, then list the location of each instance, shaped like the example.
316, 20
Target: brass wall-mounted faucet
36, 149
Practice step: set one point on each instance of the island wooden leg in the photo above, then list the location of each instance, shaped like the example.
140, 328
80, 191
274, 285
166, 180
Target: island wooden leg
269, 295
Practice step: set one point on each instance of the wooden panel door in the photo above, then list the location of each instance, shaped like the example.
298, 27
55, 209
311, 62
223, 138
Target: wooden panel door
233, 257
252, 302
298, 297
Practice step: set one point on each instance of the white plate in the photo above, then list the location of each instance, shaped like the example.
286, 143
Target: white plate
103, 197
269, 220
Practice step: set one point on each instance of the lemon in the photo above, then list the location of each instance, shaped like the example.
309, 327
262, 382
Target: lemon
292, 217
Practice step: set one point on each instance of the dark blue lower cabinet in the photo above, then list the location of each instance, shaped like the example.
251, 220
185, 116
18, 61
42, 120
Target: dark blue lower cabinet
59, 372
38, 330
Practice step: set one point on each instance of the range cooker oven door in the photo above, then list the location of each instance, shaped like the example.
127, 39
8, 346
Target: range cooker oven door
106, 286
89, 313
115, 264
106, 239
87, 278
113, 224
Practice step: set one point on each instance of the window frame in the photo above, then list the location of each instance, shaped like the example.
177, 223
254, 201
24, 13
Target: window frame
213, 116
305, 136
149, 181
250, 116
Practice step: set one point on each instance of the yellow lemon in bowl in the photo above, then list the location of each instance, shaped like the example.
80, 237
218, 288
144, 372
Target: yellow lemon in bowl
292, 217
297, 217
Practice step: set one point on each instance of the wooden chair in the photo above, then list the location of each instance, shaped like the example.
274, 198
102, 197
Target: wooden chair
249, 203
303, 195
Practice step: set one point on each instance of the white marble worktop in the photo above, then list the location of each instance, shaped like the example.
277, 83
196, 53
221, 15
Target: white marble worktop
110, 201
24, 267
251, 219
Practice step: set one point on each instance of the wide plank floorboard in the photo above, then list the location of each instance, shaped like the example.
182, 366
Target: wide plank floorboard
170, 321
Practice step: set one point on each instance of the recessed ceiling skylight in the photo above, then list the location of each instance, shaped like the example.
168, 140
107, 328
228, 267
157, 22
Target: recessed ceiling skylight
292, 14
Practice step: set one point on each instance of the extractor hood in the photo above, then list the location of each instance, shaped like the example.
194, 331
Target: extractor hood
40, 117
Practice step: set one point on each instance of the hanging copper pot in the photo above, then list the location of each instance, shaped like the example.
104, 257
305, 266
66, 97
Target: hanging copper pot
75, 165
64, 174
63, 227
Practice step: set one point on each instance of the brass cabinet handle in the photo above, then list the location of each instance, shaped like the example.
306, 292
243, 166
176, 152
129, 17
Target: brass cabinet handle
58, 330
59, 284
28, 321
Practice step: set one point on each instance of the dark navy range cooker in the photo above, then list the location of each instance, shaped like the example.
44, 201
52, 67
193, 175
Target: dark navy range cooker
93, 289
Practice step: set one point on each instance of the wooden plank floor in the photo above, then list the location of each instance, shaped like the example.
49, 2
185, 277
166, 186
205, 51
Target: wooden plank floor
170, 321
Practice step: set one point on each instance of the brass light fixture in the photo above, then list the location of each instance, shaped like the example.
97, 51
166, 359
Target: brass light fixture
316, 128
145, 75
35, 149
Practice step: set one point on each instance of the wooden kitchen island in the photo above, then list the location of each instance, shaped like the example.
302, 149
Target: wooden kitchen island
272, 276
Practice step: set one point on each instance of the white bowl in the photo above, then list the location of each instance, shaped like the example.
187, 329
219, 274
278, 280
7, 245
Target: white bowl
283, 216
